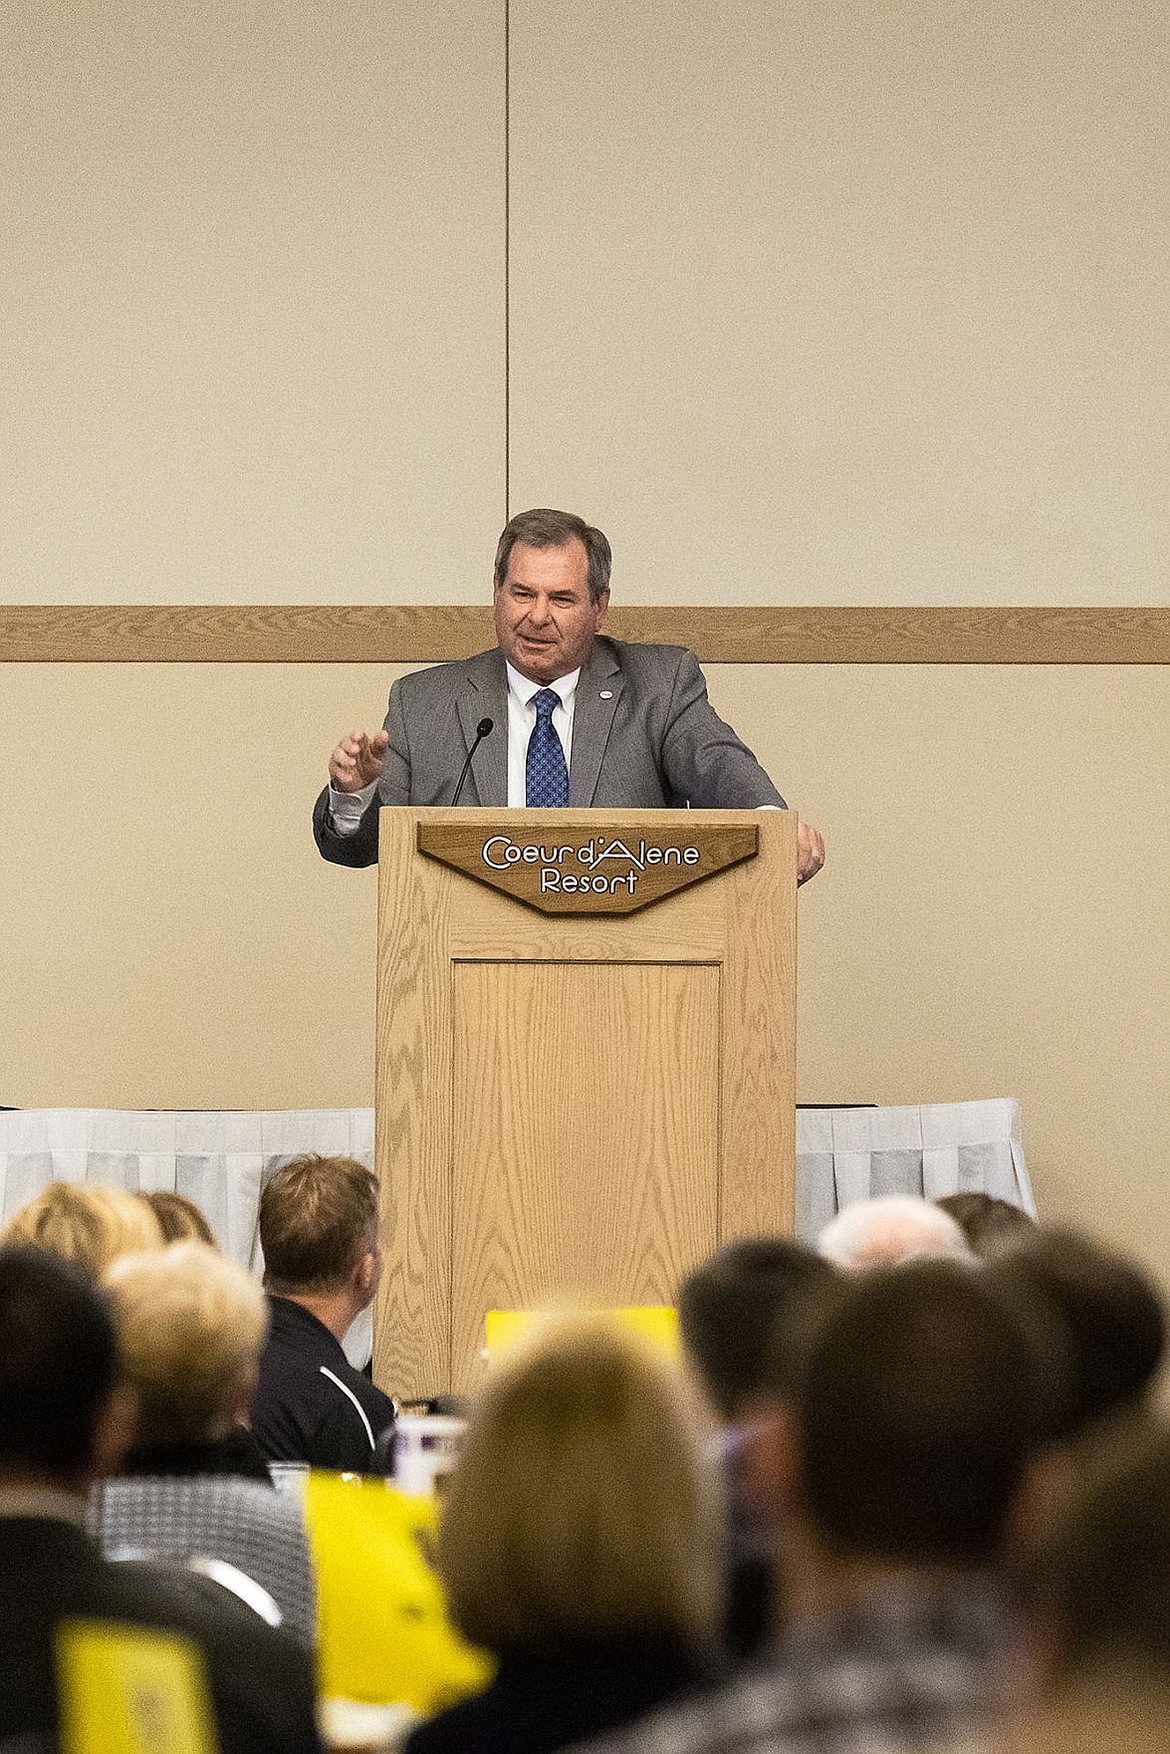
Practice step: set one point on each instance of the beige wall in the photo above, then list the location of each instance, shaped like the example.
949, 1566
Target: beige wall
808, 304
252, 276
847, 303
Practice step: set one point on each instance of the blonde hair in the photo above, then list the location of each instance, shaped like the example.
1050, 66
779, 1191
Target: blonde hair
88, 1224
190, 1327
582, 1502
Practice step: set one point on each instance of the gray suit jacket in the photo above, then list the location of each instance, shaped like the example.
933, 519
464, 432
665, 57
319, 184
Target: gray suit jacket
645, 736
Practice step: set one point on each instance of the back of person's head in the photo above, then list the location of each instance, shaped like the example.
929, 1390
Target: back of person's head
1100, 1587
58, 1367
986, 1222
731, 1313
583, 1502
885, 1231
179, 1219
190, 1327
1110, 1308
915, 1417
318, 1217
86, 1223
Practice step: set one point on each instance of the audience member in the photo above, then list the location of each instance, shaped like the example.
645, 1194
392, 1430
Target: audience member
579, 1543
322, 1263
1098, 1605
729, 1311
1109, 1307
897, 1465
86, 1223
179, 1218
889, 1230
62, 1423
732, 1312
987, 1223
190, 1327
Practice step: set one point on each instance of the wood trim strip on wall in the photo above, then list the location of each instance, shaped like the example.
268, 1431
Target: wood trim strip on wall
408, 634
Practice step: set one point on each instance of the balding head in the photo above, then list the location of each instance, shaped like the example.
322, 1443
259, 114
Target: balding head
887, 1231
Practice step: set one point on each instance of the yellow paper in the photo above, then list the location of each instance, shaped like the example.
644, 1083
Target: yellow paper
657, 1323
383, 1632
126, 1690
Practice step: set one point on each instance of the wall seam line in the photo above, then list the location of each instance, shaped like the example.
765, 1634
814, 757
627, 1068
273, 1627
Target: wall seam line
507, 260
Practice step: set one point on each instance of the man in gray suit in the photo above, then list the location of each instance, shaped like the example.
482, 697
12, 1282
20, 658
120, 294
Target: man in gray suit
570, 717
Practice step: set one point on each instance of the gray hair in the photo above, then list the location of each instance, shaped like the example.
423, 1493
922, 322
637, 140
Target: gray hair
544, 528
886, 1231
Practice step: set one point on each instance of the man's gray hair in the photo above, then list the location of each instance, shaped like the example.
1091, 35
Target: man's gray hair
888, 1230
545, 528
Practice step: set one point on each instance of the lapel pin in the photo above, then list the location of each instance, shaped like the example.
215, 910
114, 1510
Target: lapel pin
607, 694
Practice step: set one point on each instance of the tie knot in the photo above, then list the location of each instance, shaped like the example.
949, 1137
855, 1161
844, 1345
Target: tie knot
546, 701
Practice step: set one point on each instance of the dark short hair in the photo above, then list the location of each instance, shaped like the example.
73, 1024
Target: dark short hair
318, 1216
915, 1415
1112, 1311
986, 1222
58, 1365
545, 528
731, 1313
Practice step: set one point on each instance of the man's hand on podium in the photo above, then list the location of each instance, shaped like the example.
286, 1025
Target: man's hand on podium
810, 851
357, 761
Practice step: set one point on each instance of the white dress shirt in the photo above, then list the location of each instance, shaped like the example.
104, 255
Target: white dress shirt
522, 722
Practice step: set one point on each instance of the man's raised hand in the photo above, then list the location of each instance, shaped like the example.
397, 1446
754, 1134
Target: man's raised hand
357, 761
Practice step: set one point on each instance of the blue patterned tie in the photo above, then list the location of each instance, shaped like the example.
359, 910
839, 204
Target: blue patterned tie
546, 778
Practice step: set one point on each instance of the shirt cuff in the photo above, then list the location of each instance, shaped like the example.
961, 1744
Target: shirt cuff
346, 809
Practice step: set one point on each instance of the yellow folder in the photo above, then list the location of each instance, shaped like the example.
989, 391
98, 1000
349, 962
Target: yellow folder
384, 1636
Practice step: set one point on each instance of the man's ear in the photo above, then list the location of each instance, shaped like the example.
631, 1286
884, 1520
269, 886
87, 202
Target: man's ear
771, 1460
114, 1431
367, 1273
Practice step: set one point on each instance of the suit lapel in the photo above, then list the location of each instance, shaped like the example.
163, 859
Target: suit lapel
484, 695
599, 689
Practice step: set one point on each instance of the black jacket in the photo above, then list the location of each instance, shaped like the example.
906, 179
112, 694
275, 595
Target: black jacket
312, 1405
564, 1691
261, 1680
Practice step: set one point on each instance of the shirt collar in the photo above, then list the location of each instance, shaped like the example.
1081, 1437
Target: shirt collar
524, 688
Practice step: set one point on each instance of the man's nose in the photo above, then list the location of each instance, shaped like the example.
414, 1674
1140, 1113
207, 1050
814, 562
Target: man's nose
539, 611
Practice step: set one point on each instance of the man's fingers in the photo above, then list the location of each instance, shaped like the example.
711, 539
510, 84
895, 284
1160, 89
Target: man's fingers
810, 851
350, 760
370, 755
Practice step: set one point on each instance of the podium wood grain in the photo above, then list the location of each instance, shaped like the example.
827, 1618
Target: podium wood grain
572, 1108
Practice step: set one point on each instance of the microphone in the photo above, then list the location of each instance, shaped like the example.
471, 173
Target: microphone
481, 731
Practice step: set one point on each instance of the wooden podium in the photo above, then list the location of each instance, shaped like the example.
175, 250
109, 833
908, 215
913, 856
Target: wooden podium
574, 1103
